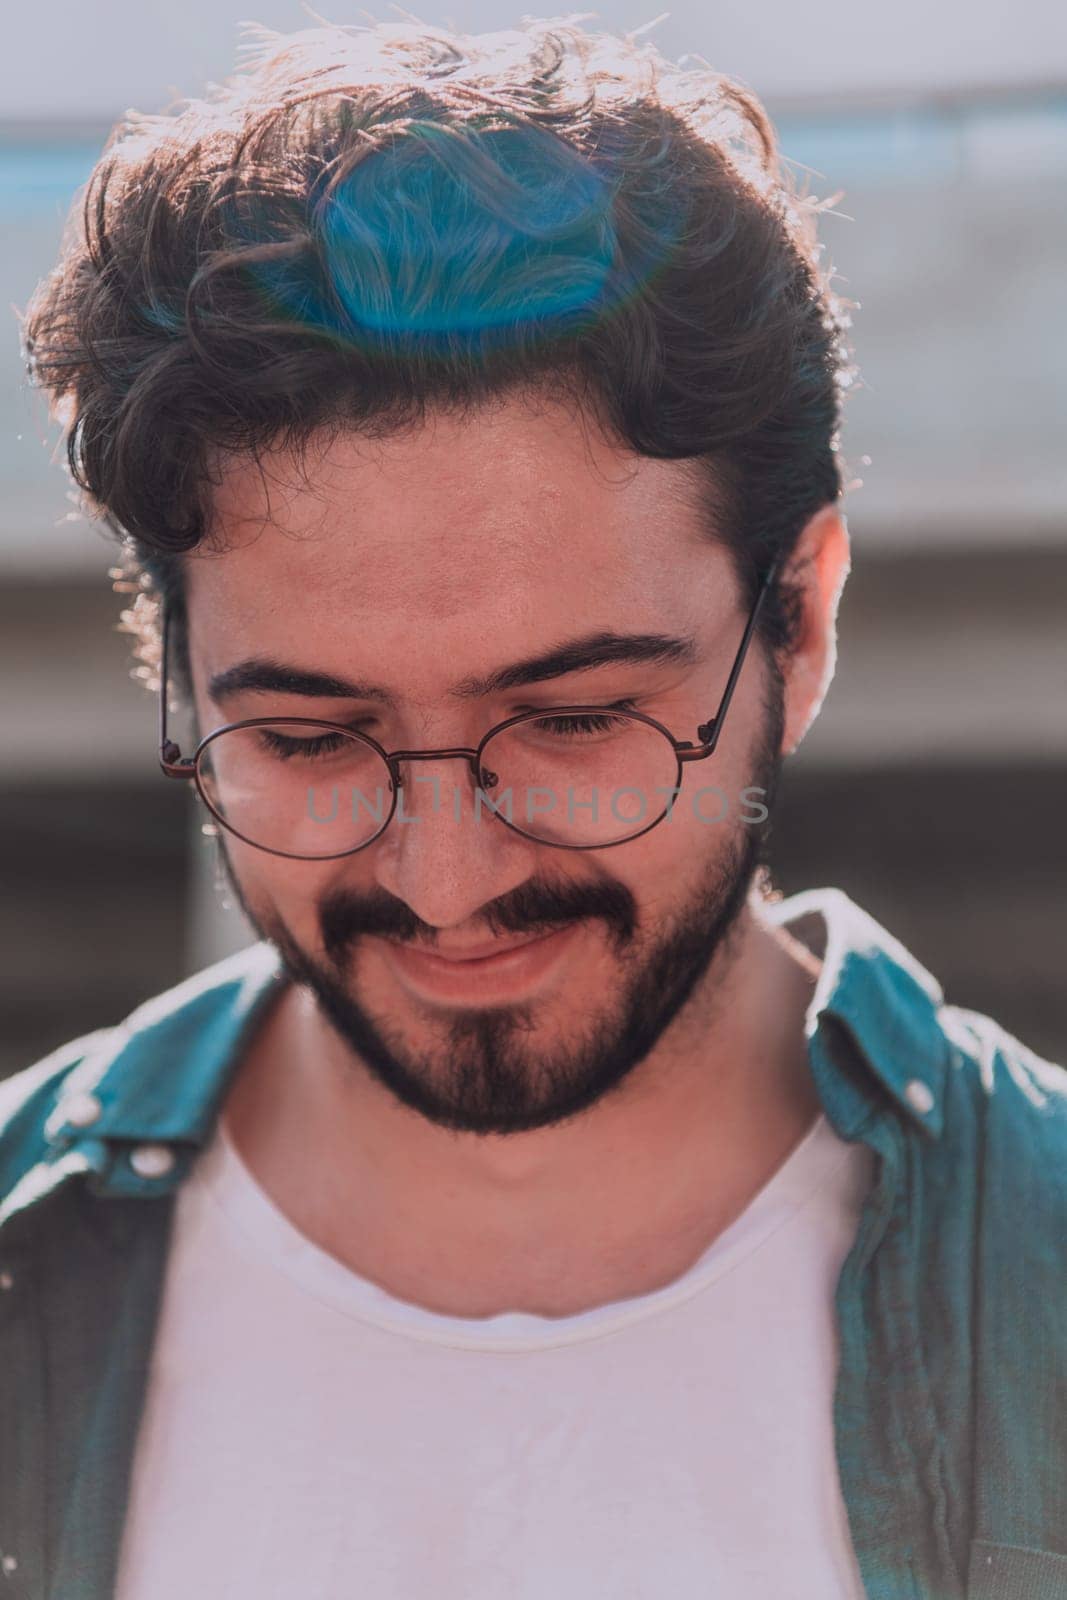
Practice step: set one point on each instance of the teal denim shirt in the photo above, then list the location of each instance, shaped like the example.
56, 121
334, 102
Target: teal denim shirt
950, 1406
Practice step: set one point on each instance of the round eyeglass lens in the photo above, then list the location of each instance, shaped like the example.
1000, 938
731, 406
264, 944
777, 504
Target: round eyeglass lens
296, 788
582, 779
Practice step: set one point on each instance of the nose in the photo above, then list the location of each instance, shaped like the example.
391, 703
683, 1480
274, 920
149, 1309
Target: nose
444, 855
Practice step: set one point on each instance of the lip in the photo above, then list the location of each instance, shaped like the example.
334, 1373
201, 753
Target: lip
510, 973
481, 952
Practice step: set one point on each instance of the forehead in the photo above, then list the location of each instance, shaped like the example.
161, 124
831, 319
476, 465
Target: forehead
513, 519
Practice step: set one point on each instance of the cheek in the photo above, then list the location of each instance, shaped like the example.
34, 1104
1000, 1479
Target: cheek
271, 886
711, 805
659, 867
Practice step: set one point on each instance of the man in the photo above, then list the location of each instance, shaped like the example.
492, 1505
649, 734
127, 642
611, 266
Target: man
542, 1207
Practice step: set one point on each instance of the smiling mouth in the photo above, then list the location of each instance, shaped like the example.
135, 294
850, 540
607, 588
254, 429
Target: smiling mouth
488, 950
494, 971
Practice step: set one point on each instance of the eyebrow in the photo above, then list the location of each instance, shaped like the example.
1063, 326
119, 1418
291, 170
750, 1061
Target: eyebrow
261, 674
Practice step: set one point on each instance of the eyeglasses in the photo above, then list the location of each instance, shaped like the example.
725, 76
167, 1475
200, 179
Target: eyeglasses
576, 777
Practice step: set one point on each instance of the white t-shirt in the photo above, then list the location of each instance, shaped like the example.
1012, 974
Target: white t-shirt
309, 1437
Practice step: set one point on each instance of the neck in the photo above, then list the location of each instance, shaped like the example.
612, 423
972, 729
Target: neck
616, 1202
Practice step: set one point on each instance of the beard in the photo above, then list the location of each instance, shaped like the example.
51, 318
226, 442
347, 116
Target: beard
488, 1074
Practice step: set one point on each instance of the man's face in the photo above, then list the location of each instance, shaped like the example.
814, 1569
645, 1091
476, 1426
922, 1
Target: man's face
417, 563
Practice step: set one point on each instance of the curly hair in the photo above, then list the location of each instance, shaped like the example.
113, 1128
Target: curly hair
367, 222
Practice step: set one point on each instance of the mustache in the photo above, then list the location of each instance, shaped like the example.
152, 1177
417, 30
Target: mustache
533, 908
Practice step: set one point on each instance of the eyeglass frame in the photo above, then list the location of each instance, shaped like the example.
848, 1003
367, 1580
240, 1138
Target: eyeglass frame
174, 765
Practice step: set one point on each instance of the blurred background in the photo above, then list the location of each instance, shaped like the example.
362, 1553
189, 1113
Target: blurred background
934, 787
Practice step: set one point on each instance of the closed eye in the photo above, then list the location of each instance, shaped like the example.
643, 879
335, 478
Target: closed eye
579, 723
285, 747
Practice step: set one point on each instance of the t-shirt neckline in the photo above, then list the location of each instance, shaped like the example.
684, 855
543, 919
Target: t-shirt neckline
262, 1229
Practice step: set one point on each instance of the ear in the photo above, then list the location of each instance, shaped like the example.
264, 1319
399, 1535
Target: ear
816, 572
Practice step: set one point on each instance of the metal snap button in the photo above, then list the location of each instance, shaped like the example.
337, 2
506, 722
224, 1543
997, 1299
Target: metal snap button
152, 1160
919, 1095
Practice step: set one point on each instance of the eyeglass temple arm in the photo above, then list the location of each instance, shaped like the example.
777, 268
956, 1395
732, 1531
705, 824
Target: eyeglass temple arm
708, 732
171, 760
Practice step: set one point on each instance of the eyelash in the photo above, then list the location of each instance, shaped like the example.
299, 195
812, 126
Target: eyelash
600, 705
284, 747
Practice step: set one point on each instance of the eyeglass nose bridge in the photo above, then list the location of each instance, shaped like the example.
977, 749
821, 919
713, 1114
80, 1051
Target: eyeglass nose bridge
457, 753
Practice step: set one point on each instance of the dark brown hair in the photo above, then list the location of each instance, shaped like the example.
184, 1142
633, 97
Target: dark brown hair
367, 222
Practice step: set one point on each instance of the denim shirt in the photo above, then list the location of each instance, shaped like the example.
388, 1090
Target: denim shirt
950, 1405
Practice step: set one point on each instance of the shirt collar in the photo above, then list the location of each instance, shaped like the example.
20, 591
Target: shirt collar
144, 1099
159, 1078
887, 1006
